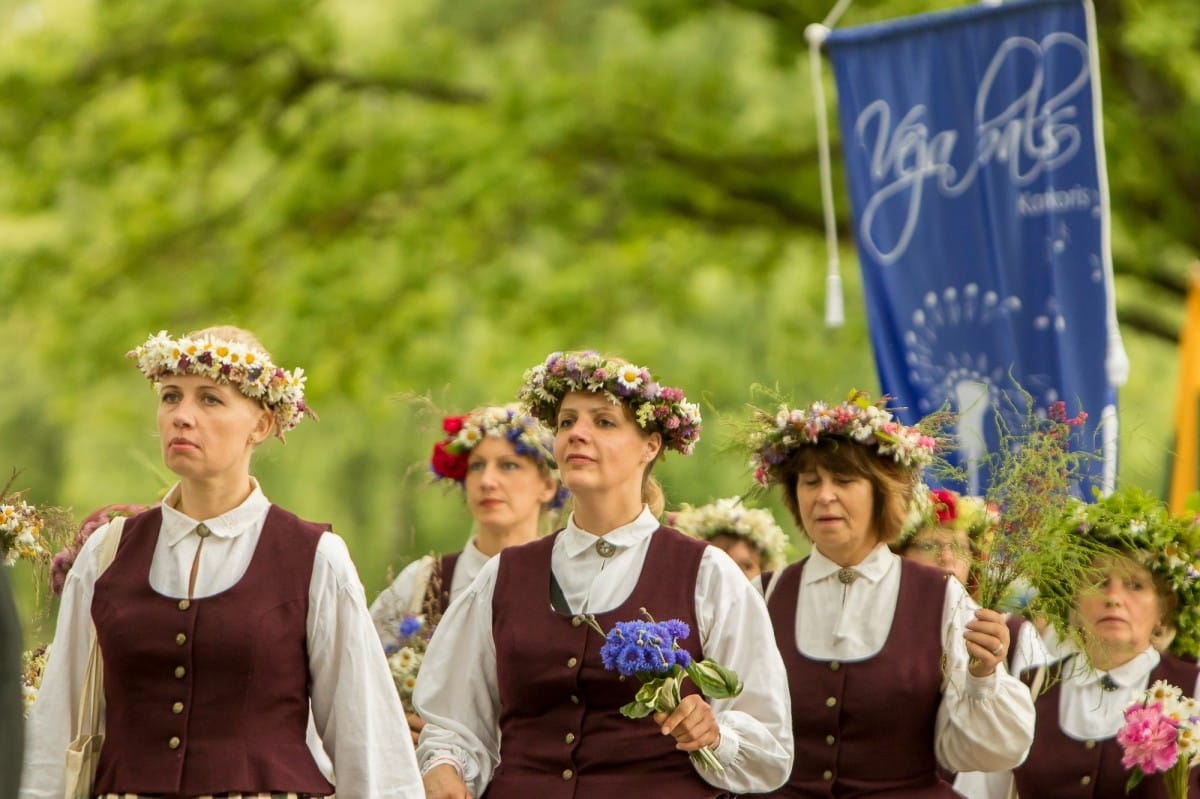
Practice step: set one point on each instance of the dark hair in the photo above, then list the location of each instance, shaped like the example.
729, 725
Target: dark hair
892, 483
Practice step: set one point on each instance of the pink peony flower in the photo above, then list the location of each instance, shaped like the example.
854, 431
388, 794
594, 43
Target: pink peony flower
1149, 739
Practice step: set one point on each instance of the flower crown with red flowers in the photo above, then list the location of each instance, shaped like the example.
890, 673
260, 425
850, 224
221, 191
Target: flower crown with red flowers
941, 507
657, 408
527, 435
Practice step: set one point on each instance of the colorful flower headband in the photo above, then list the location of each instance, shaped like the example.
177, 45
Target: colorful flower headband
221, 361
527, 435
774, 438
940, 507
20, 531
1135, 523
658, 408
729, 517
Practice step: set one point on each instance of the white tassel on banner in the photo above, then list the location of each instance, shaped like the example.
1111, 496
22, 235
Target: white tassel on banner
815, 34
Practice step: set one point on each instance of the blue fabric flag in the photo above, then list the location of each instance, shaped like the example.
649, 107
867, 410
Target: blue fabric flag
980, 208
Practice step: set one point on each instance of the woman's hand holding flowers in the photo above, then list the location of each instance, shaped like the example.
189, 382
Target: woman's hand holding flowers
692, 723
987, 642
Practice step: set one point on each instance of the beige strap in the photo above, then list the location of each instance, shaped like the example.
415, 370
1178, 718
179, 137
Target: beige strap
416, 603
93, 676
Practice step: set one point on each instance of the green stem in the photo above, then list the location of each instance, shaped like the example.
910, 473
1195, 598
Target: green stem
706, 759
1175, 779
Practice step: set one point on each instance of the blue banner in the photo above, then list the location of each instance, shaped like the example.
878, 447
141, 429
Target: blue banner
980, 209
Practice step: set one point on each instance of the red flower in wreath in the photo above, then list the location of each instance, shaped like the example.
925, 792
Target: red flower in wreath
446, 464
452, 424
944, 504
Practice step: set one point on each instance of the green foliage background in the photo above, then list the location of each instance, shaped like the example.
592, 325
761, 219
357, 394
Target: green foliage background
425, 197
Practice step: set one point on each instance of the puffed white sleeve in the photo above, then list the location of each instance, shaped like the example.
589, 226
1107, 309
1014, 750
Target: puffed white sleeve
983, 723
756, 745
51, 723
354, 701
457, 692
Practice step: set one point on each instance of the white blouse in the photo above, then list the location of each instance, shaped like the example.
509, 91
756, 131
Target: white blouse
462, 715
983, 723
1085, 711
405, 596
367, 737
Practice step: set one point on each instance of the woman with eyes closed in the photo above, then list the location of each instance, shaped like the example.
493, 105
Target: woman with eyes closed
225, 623
504, 461
515, 697
883, 691
1140, 609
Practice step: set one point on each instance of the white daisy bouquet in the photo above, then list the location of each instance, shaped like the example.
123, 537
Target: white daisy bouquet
405, 656
1160, 734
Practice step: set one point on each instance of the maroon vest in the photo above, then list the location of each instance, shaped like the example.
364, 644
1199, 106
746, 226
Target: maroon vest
211, 695
1066, 768
562, 733
866, 728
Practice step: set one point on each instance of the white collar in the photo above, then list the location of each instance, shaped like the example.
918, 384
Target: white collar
577, 541
874, 567
176, 526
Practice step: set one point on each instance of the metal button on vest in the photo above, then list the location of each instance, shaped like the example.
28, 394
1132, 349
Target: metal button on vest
827, 775
574, 699
1089, 745
831, 701
834, 665
1085, 781
829, 739
179, 672
177, 708
570, 738
174, 742
572, 662
568, 774
576, 621
180, 639
184, 604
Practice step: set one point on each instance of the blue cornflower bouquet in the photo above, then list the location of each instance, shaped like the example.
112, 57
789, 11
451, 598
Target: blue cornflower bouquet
650, 651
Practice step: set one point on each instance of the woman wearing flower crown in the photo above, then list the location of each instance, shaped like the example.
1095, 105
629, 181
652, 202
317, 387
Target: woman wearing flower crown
224, 621
536, 713
749, 535
504, 461
882, 690
1145, 601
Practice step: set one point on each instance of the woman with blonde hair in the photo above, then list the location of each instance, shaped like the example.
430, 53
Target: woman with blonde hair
515, 695
1137, 622
224, 621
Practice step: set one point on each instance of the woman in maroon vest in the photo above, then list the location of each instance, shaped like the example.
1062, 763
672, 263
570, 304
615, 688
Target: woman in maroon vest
1144, 603
883, 690
516, 700
503, 460
225, 623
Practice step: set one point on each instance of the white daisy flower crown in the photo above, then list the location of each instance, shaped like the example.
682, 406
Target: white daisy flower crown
773, 438
248, 369
657, 408
730, 517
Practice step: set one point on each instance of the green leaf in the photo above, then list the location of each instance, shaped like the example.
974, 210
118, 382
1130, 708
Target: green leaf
714, 680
